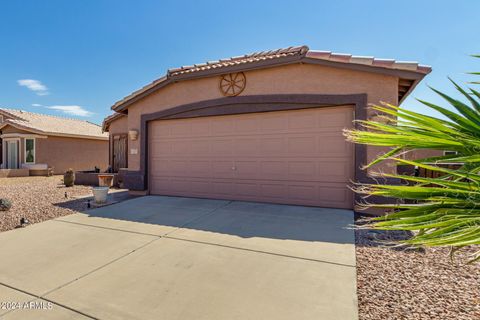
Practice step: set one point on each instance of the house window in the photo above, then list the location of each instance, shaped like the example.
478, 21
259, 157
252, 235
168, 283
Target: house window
1, 118
29, 150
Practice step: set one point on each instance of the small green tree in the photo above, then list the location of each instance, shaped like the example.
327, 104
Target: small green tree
443, 211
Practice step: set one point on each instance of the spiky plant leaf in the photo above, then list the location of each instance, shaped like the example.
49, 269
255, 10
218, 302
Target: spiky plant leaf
442, 211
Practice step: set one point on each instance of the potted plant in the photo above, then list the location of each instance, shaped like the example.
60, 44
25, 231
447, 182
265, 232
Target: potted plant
69, 178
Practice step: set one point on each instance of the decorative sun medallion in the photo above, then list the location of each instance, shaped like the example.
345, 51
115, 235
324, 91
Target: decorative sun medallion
232, 84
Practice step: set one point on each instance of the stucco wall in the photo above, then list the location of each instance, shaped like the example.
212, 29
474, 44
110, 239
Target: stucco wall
293, 79
78, 154
119, 125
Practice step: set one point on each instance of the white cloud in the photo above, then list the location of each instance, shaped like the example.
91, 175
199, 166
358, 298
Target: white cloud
36, 105
72, 110
34, 85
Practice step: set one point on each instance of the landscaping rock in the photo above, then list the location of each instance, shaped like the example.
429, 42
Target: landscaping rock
37, 199
5, 204
395, 283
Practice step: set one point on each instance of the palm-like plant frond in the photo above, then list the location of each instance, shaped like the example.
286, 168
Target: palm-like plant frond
443, 211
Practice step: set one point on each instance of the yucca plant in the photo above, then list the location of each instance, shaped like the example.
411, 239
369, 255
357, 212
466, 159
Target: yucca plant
442, 211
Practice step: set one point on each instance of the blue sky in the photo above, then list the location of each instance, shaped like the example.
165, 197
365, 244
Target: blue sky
86, 54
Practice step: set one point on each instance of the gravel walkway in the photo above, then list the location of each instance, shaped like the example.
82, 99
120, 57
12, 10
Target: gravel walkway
39, 199
425, 284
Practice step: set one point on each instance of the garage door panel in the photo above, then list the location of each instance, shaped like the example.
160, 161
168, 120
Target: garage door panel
223, 169
273, 146
221, 147
331, 195
273, 123
158, 148
302, 170
305, 146
200, 128
247, 146
334, 146
246, 125
222, 125
246, 169
337, 170
223, 189
274, 191
332, 119
305, 120
274, 169
297, 157
247, 189
303, 192
199, 168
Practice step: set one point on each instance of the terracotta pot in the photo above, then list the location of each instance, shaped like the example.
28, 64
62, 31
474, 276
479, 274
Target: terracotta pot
105, 180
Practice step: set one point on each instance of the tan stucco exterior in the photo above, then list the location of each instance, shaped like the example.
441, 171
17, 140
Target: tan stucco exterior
62, 153
119, 126
289, 79
78, 154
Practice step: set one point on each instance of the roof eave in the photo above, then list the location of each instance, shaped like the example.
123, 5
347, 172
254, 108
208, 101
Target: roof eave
417, 76
56, 134
106, 122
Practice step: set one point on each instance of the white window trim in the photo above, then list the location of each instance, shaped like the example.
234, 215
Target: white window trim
25, 150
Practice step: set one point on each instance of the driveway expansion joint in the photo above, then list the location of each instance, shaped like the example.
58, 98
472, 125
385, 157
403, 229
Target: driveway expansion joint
110, 228
262, 252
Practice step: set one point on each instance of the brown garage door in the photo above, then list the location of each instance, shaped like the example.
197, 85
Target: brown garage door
294, 157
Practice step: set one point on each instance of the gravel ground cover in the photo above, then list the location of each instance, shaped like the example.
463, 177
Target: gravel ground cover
39, 199
414, 284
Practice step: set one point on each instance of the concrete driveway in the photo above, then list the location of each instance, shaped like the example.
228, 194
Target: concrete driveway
182, 258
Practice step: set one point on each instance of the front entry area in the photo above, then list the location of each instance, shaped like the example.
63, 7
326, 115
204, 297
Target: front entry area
120, 154
293, 157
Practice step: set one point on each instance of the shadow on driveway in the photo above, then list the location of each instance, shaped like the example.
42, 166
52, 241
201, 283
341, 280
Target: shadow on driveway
236, 218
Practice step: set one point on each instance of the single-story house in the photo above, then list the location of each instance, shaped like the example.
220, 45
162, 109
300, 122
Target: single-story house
260, 127
37, 142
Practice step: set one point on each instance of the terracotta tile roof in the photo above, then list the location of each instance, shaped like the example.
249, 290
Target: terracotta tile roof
248, 58
269, 58
369, 61
52, 125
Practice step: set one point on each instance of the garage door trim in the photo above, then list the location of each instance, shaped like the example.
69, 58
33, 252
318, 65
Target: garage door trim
138, 180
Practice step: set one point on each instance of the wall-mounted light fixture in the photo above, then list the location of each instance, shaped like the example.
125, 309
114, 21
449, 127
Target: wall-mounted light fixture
133, 134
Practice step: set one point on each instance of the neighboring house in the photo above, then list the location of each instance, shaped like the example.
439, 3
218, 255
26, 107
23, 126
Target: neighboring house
38, 141
261, 127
